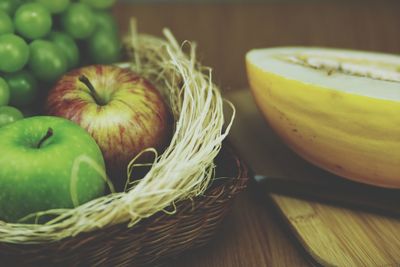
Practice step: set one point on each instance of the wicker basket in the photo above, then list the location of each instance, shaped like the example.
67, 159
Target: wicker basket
136, 234
156, 238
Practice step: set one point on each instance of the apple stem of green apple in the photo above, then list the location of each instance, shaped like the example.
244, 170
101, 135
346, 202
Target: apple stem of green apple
85, 80
44, 138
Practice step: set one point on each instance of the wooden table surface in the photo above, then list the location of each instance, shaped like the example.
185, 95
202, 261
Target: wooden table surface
254, 234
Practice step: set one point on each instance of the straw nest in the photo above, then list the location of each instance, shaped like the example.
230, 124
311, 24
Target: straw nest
183, 171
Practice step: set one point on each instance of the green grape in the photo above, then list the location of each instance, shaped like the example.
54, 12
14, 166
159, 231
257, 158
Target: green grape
79, 21
106, 21
14, 53
47, 61
33, 20
9, 6
99, 4
4, 92
104, 47
23, 88
6, 24
55, 6
9, 115
68, 46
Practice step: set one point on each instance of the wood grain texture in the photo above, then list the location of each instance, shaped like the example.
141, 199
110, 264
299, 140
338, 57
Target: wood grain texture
334, 236
224, 33
254, 234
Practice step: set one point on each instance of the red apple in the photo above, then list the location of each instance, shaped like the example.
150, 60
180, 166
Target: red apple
122, 111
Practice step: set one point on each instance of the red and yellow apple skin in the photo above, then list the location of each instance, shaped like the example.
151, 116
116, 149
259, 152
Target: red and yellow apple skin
128, 115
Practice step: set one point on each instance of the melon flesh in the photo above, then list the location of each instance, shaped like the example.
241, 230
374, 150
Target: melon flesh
339, 109
372, 74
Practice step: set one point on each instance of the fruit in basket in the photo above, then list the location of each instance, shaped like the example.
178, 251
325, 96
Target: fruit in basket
47, 62
4, 92
79, 21
14, 53
23, 88
6, 24
123, 112
40, 40
36, 167
9, 115
339, 109
33, 20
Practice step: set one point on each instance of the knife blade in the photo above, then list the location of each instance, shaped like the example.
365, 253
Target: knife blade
338, 192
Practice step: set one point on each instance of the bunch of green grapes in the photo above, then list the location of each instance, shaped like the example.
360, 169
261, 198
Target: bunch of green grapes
40, 40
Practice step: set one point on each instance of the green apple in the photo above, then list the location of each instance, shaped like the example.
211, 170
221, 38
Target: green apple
36, 161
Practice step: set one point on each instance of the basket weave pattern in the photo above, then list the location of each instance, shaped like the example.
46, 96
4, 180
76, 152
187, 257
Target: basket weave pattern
161, 235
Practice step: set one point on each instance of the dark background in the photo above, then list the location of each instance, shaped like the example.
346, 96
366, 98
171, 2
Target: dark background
225, 30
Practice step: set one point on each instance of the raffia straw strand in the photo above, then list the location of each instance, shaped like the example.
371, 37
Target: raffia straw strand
183, 171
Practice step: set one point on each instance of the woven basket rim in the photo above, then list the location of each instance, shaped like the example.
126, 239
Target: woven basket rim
22, 228
148, 242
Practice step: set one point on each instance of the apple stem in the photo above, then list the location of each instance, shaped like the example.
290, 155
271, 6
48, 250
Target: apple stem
85, 80
44, 138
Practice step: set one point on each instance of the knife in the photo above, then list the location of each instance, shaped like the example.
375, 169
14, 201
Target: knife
338, 192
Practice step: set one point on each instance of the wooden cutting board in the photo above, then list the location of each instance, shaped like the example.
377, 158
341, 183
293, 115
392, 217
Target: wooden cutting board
333, 235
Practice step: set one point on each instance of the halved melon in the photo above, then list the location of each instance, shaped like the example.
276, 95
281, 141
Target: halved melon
338, 109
